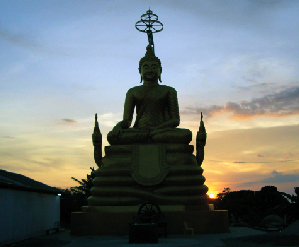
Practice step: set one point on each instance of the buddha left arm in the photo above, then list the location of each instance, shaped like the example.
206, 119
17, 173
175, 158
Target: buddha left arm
173, 109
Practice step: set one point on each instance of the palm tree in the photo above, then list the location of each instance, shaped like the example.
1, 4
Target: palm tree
85, 184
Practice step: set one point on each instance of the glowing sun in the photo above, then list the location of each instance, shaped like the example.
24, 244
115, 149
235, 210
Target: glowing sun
212, 196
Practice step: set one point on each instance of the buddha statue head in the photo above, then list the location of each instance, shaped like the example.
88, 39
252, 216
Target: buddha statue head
150, 67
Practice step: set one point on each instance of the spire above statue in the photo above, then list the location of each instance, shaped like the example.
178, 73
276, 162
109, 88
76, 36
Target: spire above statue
149, 24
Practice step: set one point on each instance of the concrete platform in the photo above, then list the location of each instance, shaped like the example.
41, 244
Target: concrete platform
64, 239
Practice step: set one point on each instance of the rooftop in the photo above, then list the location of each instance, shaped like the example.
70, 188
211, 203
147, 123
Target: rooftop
16, 181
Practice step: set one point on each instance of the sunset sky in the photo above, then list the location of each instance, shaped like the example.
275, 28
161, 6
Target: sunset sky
236, 61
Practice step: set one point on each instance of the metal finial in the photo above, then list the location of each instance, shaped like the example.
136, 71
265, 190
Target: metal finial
149, 24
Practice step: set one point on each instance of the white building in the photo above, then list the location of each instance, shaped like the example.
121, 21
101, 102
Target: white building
27, 208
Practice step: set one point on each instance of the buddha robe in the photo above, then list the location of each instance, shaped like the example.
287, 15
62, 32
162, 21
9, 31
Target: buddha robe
157, 117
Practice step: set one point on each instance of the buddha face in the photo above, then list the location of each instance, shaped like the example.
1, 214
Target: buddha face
150, 71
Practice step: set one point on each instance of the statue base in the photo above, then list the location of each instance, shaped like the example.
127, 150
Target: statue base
164, 174
115, 220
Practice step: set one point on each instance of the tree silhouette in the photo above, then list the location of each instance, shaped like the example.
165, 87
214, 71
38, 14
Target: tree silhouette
251, 207
85, 184
224, 192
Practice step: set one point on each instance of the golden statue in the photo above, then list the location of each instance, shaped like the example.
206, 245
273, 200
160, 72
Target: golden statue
156, 107
153, 159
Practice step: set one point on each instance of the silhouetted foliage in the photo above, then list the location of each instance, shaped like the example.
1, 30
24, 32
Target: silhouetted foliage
252, 206
75, 198
269, 188
296, 198
221, 195
85, 184
295, 206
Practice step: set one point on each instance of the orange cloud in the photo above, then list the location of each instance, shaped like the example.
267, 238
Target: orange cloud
281, 104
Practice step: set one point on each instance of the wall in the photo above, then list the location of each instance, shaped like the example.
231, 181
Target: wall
24, 214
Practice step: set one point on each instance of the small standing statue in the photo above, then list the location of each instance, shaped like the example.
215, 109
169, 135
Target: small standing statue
201, 138
97, 142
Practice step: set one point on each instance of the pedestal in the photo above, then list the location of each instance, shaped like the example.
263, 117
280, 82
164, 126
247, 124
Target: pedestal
116, 221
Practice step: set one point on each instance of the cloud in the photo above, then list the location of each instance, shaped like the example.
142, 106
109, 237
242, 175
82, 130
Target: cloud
18, 39
261, 156
31, 43
274, 178
109, 119
281, 104
255, 162
279, 177
68, 120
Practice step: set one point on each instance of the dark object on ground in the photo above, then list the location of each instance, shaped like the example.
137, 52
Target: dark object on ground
56, 228
272, 221
143, 233
145, 230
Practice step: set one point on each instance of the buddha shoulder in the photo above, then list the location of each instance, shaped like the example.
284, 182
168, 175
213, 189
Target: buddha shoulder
164, 88
168, 88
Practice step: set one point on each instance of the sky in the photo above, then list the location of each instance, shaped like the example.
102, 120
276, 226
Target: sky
235, 60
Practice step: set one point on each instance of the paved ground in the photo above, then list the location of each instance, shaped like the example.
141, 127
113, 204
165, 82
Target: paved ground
64, 239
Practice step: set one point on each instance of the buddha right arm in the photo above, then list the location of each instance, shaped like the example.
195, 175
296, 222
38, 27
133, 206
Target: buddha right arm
127, 116
128, 110
117, 129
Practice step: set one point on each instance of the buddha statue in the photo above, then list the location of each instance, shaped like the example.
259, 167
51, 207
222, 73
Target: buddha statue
151, 161
156, 107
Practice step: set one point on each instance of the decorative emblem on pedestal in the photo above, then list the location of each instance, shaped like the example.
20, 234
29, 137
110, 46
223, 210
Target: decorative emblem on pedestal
149, 164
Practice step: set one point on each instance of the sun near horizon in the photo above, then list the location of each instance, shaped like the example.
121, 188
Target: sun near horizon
211, 195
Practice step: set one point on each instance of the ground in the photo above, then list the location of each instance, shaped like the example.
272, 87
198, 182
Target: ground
239, 236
